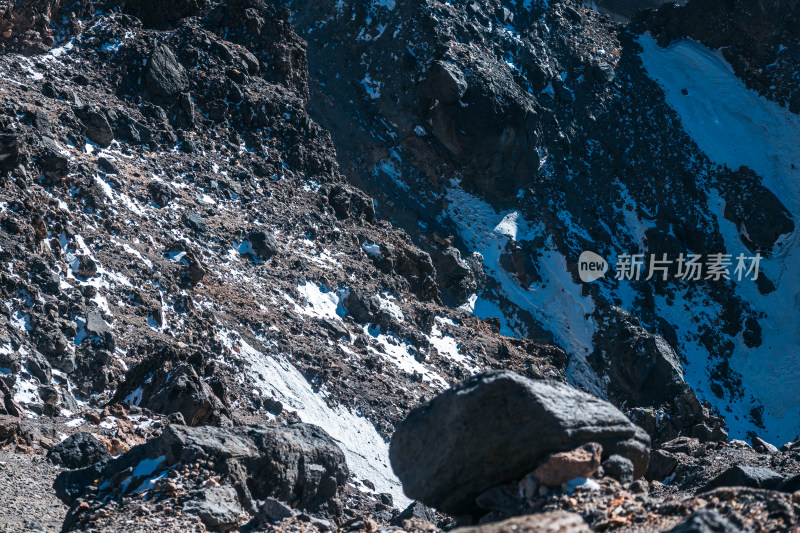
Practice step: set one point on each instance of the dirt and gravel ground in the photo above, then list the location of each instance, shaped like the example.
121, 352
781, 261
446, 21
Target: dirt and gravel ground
27, 500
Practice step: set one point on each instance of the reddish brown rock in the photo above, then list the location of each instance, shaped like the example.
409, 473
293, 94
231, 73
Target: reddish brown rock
560, 467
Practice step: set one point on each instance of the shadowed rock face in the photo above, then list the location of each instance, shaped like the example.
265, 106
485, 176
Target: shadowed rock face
299, 463
495, 427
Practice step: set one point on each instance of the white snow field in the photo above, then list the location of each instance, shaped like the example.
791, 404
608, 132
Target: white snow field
736, 127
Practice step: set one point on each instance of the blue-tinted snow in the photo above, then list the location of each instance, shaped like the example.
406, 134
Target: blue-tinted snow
736, 127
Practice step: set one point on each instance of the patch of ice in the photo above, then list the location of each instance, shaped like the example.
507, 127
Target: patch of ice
366, 452
556, 302
372, 249
320, 302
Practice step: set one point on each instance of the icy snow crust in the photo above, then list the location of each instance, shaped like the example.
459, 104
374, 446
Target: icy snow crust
736, 127
366, 452
556, 303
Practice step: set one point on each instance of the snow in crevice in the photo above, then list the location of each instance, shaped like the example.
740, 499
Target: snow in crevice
556, 303
400, 354
735, 126
319, 302
366, 452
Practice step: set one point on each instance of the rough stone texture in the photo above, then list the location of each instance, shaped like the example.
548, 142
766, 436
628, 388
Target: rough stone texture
550, 522
445, 82
762, 446
78, 451
298, 463
496, 427
746, 476
263, 244
706, 522
165, 76
619, 468
25, 27
561, 467
9, 426
182, 391
28, 501
163, 13
218, 507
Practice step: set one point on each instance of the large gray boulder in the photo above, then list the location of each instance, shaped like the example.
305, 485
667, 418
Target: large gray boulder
494, 428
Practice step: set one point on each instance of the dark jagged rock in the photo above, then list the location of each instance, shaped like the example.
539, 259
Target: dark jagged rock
182, 391
299, 463
78, 451
519, 422
55, 164
163, 13
11, 151
746, 476
454, 274
620, 468
218, 507
361, 307
415, 510
706, 522
444, 82
165, 76
517, 260
263, 244
97, 128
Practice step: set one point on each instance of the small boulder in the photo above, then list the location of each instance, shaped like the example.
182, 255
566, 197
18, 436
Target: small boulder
444, 82
165, 76
217, 507
755, 477
182, 391
417, 511
77, 451
564, 466
619, 468
9, 426
274, 510
11, 150
53, 160
196, 222
662, 464
98, 129
106, 165
162, 193
263, 244
361, 307
762, 446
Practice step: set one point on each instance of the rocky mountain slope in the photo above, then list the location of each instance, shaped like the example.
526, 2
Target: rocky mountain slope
241, 241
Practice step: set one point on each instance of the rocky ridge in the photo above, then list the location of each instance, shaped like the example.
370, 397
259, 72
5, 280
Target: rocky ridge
217, 223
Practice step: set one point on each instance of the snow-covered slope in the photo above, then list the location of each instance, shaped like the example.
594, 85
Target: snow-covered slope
736, 127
